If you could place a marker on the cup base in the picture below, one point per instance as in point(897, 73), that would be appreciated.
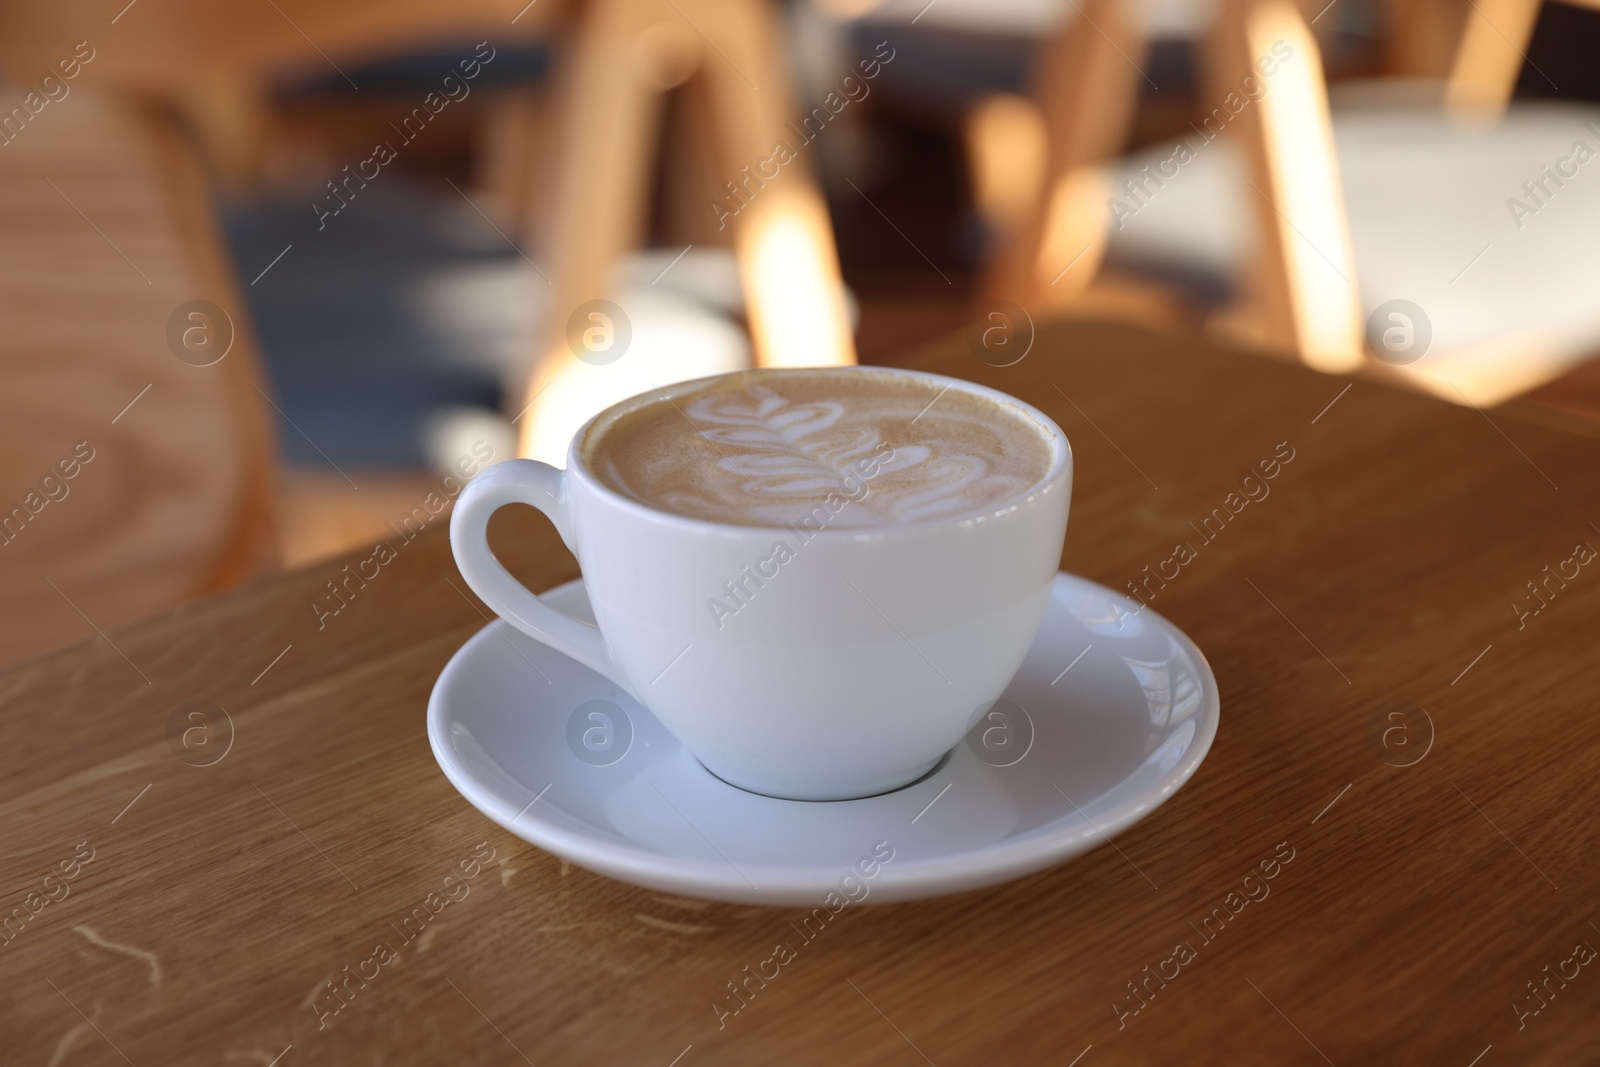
point(891, 785)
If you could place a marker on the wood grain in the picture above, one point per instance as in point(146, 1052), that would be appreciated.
point(106, 233)
point(1377, 577)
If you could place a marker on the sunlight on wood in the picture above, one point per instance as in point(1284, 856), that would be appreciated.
point(792, 286)
point(671, 341)
point(1304, 186)
point(1074, 239)
point(1487, 373)
point(1007, 147)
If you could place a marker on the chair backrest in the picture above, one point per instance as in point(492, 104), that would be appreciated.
point(214, 63)
point(135, 452)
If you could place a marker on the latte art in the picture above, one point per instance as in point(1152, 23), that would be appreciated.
point(837, 447)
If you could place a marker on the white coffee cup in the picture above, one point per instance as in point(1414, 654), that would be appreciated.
point(850, 671)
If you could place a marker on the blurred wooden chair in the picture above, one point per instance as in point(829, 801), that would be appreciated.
point(1415, 241)
point(214, 64)
point(135, 454)
point(1414, 205)
point(211, 72)
point(726, 56)
point(1049, 225)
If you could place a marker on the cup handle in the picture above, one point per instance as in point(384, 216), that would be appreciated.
point(524, 481)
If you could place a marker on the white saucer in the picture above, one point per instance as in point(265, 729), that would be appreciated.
point(1112, 711)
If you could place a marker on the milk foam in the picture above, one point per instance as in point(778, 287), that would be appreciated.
point(839, 447)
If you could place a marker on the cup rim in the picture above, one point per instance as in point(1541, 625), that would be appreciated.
point(1060, 462)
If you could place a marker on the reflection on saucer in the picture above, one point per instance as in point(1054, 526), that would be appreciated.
point(1101, 611)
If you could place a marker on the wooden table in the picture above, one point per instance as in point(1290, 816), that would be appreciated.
point(1427, 760)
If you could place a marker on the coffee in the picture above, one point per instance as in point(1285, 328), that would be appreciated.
point(840, 447)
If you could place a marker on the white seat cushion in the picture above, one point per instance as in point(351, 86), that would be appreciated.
point(1424, 198)
point(1040, 18)
point(681, 308)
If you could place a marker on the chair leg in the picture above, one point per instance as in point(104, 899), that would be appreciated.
point(1494, 40)
point(789, 265)
point(1423, 36)
point(1007, 145)
point(1088, 83)
point(1303, 281)
point(629, 53)
point(607, 135)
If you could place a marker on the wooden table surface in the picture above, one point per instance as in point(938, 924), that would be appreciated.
point(1412, 759)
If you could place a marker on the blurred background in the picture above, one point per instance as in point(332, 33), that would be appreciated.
point(279, 276)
